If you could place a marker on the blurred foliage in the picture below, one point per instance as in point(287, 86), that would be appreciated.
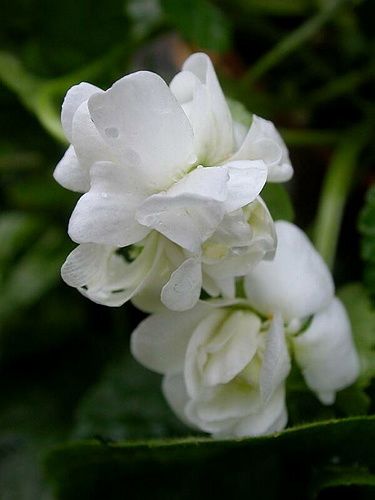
point(309, 65)
point(367, 230)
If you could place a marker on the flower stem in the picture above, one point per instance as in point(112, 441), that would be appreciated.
point(335, 190)
point(291, 42)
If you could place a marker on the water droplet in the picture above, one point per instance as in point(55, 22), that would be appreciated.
point(112, 132)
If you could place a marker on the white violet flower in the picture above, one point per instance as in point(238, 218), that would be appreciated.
point(298, 285)
point(224, 367)
point(146, 163)
point(225, 362)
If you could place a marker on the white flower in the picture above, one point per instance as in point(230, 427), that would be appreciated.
point(216, 134)
point(224, 367)
point(298, 284)
point(149, 164)
point(161, 272)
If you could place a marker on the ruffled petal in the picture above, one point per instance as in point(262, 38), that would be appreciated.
point(326, 352)
point(183, 289)
point(70, 174)
point(297, 282)
point(75, 96)
point(271, 418)
point(246, 180)
point(146, 128)
point(231, 349)
point(88, 143)
point(160, 341)
point(106, 214)
point(199, 92)
point(190, 211)
point(276, 361)
point(105, 277)
point(174, 390)
point(263, 142)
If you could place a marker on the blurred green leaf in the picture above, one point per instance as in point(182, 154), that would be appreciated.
point(362, 318)
point(337, 476)
point(126, 403)
point(203, 467)
point(16, 229)
point(200, 22)
point(36, 272)
point(366, 226)
point(278, 201)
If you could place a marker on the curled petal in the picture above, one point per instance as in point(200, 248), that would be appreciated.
point(160, 341)
point(191, 210)
point(271, 418)
point(263, 142)
point(70, 173)
point(199, 92)
point(326, 353)
point(246, 180)
point(146, 128)
point(75, 96)
point(297, 282)
point(174, 391)
point(106, 214)
point(184, 286)
point(105, 277)
point(88, 143)
point(276, 361)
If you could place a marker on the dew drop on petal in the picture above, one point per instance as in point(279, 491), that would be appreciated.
point(112, 132)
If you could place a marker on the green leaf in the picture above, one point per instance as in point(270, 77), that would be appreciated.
point(126, 403)
point(278, 201)
point(362, 318)
point(35, 272)
point(200, 22)
point(203, 467)
point(366, 226)
point(338, 476)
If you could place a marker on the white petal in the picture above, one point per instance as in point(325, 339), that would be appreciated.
point(190, 211)
point(228, 401)
point(106, 214)
point(174, 390)
point(297, 282)
point(184, 286)
point(272, 418)
point(146, 128)
point(88, 143)
point(160, 341)
point(215, 427)
point(246, 180)
point(276, 362)
point(263, 142)
point(203, 331)
point(70, 173)
point(74, 98)
point(198, 90)
point(326, 353)
point(231, 349)
point(105, 277)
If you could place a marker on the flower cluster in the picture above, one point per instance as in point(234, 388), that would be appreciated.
point(171, 207)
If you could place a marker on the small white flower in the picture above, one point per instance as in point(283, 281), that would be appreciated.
point(298, 284)
point(147, 162)
point(224, 367)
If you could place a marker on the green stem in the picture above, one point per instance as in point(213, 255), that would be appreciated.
point(291, 42)
point(342, 85)
point(335, 190)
